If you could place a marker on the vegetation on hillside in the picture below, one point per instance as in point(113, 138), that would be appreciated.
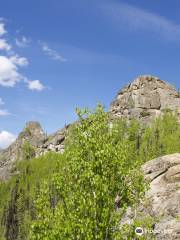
point(17, 195)
point(71, 195)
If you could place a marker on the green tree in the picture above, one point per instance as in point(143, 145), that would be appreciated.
point(97, 169)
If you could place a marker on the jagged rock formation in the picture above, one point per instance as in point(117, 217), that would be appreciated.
point(162, 199)
point(54, 142)
point(144, 99)
point(33, 134)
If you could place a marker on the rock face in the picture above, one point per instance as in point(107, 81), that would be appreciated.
point(144, 99)
point(33, 134)
point(162, 199)
point(164, 176)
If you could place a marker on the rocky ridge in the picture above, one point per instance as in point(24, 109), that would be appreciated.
point(144, 99)
point(35, 136)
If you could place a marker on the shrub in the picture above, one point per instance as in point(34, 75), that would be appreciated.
point(28, 151)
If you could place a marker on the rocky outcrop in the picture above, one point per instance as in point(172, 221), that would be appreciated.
point(144, 99)
point(33, 134)
point(162, 201)
point(54, 142)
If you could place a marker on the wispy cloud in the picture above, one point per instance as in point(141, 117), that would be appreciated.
point(4, 45)
point(22, 42)
point(134, 18)
point(3, 112)
point(19, 61)
point(2, 28)
point(52, 53)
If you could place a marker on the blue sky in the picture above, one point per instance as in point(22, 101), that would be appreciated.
point(56, 55)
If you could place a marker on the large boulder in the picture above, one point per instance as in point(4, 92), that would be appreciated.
point(145, 98)
point(164, 193)
point(162, 200)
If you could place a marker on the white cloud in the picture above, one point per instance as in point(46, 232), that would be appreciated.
point(22, 42)
point(3, 112)
point(2, 29)
point(35, 85)
point(52, 53)
point(6, 138)
point(135, 18)
point(4, 45)
point(9, 74)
